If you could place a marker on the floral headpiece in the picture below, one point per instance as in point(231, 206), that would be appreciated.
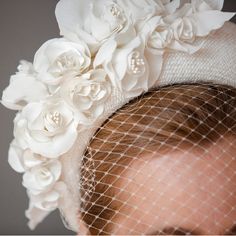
point(111, 51)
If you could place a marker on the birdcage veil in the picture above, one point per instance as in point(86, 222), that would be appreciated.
point(189, 111)
point(149, 166)
point(126, 123)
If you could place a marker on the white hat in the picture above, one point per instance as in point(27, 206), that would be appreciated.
point(76, 82)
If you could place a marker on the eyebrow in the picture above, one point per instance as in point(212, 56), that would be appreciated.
point(170, 230)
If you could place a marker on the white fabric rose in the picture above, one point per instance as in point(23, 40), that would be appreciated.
point(93, 21)
point(184, 30)
point(21, 160)
point(23, 88)
point(127, 66)
point(198, 13)
point(161, 37)
point(58, 58)
point(178, 31)
point(47, 128)
point(42, 178)
point(86, 94)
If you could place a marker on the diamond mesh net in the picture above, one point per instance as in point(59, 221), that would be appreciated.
point(164, 164)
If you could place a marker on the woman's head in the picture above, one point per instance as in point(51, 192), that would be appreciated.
point(166, 159)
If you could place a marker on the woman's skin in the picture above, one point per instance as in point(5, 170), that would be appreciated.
point(194, 191)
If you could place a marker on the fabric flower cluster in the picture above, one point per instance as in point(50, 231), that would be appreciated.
point(105, 45)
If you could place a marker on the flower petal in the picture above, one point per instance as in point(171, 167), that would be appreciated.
point(105, 53)
point(172, 6)
point(35, 216)
point(215, 4)
point(70, 14)
point(22, 90)
point(207, 21)
point(15, 154)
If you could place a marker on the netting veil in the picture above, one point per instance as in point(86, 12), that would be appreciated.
point(127, 123)
point(185, 78)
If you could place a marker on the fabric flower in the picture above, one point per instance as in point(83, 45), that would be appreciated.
point(126, 66)
point(178, 31)
point(58, 58)
point(161, 37)
point(93, 22)
point(47, 128)
point(23, 88)
point(198, 13)
point(42, 178)
point(21, 160)
point(183, 29)
point(87, 93)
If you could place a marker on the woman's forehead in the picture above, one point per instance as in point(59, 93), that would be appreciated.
point(207, 162)
point(181, 188)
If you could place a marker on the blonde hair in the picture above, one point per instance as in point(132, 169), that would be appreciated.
point(172, 116)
